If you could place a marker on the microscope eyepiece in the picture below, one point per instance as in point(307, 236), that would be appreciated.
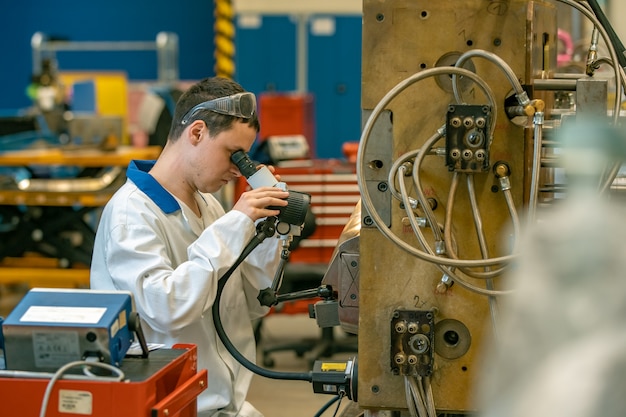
point(244, 163)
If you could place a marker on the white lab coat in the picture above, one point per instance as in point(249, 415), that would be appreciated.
point(153, 245)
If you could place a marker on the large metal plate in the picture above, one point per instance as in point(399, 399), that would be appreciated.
point(400, 38)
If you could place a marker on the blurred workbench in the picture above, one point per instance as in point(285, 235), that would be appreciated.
point(48, 224)
point(88, 157)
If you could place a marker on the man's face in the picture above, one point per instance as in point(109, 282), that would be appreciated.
point(215, 168)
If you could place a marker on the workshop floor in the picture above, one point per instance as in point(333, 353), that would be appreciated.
point(274, 398)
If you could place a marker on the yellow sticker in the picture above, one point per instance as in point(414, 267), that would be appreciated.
point(333, 366)
point(122, 318)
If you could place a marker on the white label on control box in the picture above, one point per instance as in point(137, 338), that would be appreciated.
point(51, 314)
point(75, 402)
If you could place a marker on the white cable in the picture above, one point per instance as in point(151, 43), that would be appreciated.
point(449, 237)
point(417, 397)
point(484, 249)
point(421, 196)
point(536, 165)
point(59, 373)
point(451, 250)
point(514, 218)
point(500, 63)
point(430, 399)
point(410, 399)
point(365, 197)
point(431, 217)
point(391, 178)
point(440, 264)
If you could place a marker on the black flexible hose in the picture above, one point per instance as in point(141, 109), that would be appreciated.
point(299, 376)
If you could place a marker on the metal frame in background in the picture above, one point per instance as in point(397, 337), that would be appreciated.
point(165, 44)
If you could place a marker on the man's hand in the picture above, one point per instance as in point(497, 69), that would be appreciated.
point(255, 203)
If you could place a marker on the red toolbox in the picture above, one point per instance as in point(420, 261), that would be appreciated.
point(166, 384)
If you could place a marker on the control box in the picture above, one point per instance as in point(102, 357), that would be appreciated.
point(52, 327)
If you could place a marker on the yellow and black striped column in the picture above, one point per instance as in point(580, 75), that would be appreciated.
point(224, 39)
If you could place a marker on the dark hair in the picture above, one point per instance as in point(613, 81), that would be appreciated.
point(204, 90)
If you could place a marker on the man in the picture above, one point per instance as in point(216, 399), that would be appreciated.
point(166, 239)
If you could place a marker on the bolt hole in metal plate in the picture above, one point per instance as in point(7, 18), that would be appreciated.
point(452, 339)
point(445, 81)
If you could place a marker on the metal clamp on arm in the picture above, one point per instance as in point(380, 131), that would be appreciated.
point(323, 291)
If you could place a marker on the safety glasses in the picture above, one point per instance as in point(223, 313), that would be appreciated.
point(239, 105)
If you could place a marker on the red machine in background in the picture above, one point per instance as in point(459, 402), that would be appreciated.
point(331, 183)
point(287, 114)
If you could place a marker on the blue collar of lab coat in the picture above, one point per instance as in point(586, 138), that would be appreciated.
point(138, 172)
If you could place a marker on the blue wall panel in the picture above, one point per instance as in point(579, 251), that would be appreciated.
point(266, 61)
point(335, 79)
point(265, 54)
point(113, 20)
